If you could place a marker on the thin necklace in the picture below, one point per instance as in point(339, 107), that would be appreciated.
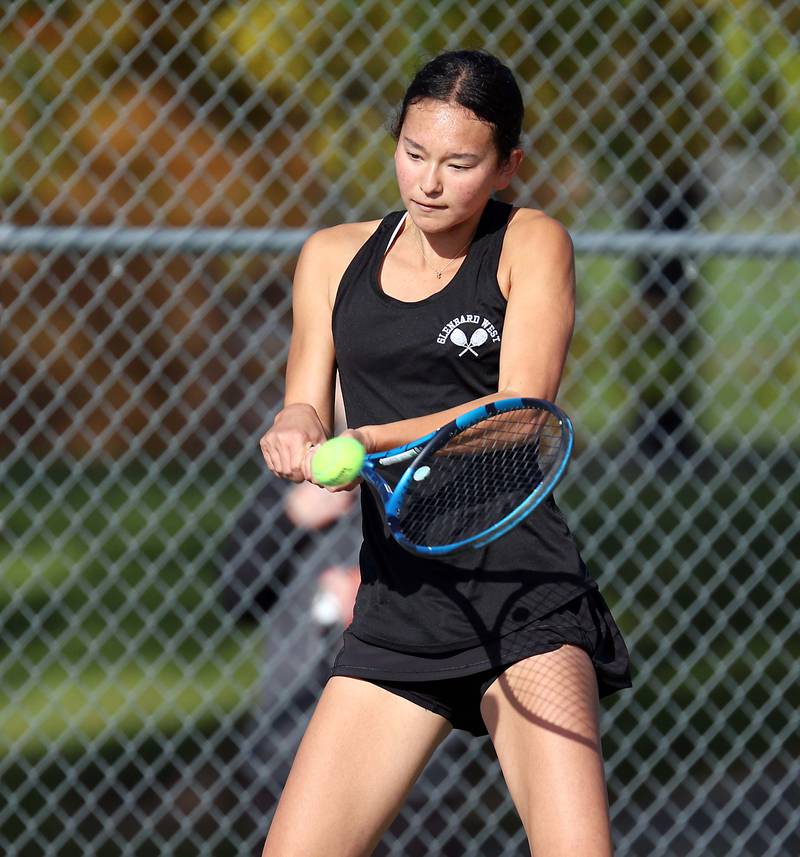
point(440, 272)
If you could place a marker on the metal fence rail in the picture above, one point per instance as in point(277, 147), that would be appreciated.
point(203, 240)
point(160, 165)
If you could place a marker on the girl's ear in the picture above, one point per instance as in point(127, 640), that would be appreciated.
point(508, 169)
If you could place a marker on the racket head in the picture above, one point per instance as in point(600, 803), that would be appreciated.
point(479, 476)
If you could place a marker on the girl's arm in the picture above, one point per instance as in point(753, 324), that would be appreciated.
point(306, 419)
point(307, 415)
point(537, 274)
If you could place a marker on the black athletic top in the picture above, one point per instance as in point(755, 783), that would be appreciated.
point(397, 360)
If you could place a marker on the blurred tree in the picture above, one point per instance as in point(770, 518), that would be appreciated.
point(55, 61)
point(97, 130)
point(672, 114)
point(712, 75)
point(759, 74)
point(252, 112)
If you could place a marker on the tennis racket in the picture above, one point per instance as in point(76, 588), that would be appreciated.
point(474, 479)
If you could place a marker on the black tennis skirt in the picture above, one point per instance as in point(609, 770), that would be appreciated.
point(585, 621)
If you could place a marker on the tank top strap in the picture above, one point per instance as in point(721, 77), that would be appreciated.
point(479, 270)
point(487, 244)
point(371, 252)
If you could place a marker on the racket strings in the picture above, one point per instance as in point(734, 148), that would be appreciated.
point(480, 476)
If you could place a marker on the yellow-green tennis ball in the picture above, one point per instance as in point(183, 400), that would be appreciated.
point(337, 462)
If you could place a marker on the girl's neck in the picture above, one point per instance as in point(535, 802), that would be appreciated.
point(439, 249)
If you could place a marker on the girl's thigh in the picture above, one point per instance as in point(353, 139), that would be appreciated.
point(542, 716)
point(362, 751)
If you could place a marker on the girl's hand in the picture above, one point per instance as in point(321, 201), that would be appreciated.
point(363, 436)
point(288, 445)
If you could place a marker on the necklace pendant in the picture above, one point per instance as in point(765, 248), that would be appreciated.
point(438, 275)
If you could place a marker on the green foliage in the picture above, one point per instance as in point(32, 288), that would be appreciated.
point(759, 69)
point(656, 71)
point(660, 73)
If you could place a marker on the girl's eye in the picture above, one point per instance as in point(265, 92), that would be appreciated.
point(459, 166)
point(414, 156)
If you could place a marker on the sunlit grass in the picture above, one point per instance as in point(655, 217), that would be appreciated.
point(67, 709)
point(111, 619)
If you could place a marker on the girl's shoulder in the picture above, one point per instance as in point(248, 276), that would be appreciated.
point(531, 224)
point(532, 235)
point(329, 251)
point(342, 241)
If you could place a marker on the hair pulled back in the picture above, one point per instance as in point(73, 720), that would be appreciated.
point(477, 81)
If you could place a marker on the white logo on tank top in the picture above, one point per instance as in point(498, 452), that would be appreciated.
point(468, 333)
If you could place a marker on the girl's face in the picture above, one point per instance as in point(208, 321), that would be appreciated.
point(447, 164)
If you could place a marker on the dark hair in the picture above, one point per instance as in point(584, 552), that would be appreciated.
point(477, 81)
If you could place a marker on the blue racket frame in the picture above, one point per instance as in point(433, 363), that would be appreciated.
point(418, 451)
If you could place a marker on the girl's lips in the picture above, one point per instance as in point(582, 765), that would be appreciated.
point(428, 207)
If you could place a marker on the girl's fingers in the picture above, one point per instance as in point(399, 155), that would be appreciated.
point(305, 465)
point(293, 462)
point(264, 446)
point(288, 457)
point(349, 487)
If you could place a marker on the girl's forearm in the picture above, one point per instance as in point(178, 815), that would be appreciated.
point(390, 435)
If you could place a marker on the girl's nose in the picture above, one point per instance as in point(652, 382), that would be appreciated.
point(430, 183)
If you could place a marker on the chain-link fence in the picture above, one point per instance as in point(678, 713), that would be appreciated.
point(160, 164)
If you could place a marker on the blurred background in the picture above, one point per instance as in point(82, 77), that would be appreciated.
point(169, 611)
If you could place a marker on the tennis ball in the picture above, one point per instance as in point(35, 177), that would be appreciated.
point(337, 462)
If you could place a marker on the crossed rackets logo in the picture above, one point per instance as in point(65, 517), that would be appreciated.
point(459, 339)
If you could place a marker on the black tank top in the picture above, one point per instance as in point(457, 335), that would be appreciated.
point(398, 360)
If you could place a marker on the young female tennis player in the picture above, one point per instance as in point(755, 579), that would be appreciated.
point(513, 640)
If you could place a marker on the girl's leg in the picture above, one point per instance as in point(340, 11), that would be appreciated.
point(542, 716)
point(358, 759)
